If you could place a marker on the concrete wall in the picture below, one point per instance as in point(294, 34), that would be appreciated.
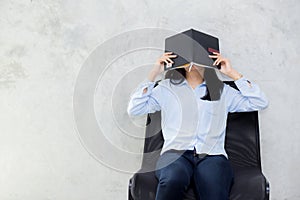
point(64, 129)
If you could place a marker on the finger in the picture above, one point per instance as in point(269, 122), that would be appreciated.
point(167, 57)
point(216, 53)
point(165, 62)
point(213, 56)
point(216, 61)
point(219, 61)
point(168, 53)
point(164, 59)
point(172, 56)
point(171, 61)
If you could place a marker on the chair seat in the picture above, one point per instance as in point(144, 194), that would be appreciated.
point(247, 180)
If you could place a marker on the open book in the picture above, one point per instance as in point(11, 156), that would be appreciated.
point(192, 48)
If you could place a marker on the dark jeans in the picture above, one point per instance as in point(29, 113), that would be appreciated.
point(212, 175)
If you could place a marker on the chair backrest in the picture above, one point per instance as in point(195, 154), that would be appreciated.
point(153, 141)
point(242, 139)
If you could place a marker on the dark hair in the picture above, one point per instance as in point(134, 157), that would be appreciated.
point(214, 85)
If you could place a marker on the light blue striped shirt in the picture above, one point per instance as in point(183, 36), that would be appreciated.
point(189, 122)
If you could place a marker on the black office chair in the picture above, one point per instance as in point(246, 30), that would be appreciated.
point(242, 146)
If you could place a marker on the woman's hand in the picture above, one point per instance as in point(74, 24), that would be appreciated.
point(226, 67)
point(159, 65)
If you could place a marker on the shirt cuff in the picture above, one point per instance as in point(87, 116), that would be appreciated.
point(243, 82)
point(145, 84)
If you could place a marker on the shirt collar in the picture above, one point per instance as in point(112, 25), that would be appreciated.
point(186, 83)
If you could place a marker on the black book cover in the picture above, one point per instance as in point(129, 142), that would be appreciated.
point(192, 47)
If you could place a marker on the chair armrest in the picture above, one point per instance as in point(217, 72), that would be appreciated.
point(143, 186)
point(246, 181)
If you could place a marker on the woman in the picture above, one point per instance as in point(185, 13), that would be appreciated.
point(194, 105)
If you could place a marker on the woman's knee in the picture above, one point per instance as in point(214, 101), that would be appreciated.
point(175, 176)
point(214, 175)
point(174, 181)
point(215, 166)
point(176, 173)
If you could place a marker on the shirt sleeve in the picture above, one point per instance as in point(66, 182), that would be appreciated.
point(248, 98)
point(141, 103)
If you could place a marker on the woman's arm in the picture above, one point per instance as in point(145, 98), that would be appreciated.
point(248, 98)
point(147, 99)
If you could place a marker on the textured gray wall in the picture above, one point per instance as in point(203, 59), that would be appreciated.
point(46, 151)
